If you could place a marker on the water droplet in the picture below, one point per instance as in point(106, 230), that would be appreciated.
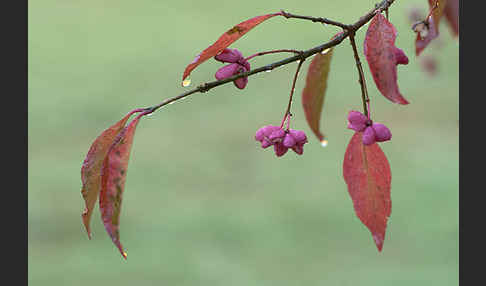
point(125, 254)
point(324, 142)
point(186, 83)
point(325, 51)
point(268, 71)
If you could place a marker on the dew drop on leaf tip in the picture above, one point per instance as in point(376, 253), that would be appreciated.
point(324, 142)
point(186, 82)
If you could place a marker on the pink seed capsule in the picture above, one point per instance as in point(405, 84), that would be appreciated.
point(238, 64)
point(369, 136)
point(382, 133)
point(357, 121)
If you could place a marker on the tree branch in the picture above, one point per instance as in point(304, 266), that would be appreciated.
point(383, 5)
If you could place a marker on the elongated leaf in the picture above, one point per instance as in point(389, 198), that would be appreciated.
point(452, 15)
point(383, 57)
point(422, 42)
point(113, 175)
point(91, 169)
point(367, 174)
point(225, 40)
point(315, 90)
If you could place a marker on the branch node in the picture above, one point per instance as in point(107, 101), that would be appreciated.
point(285, 14)
point(203, 88)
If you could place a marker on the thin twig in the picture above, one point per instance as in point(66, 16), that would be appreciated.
point(287, 112)
point(315, 20)
point(436, 5)
point(362, 82)
point(383, 5)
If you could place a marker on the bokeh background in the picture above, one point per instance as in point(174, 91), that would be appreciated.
point(203, 204)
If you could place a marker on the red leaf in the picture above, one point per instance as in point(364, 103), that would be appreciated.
point(225, 40)
point(452, 15)
point(383, 57)
point(422, 42)
point(91, 169)
point(367, 174)
point(113, 175)
point(315, 90)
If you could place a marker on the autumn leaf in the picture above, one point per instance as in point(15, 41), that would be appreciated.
point(368, 177)
point(225, 40)
point(91, 169)
point(422, 41)
point(113, 176)
point(383, 57)
point(452, 15)
point(315, 90)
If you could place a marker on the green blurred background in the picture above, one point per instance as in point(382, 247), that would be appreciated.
point(203, 203)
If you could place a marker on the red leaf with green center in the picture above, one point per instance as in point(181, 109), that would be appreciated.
point(91, 169)
point(113, 175)
point(315, 90)
point(225, 40)
point(422, 42)
point(383, 57)
point(452, 15)
point(367, 174)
